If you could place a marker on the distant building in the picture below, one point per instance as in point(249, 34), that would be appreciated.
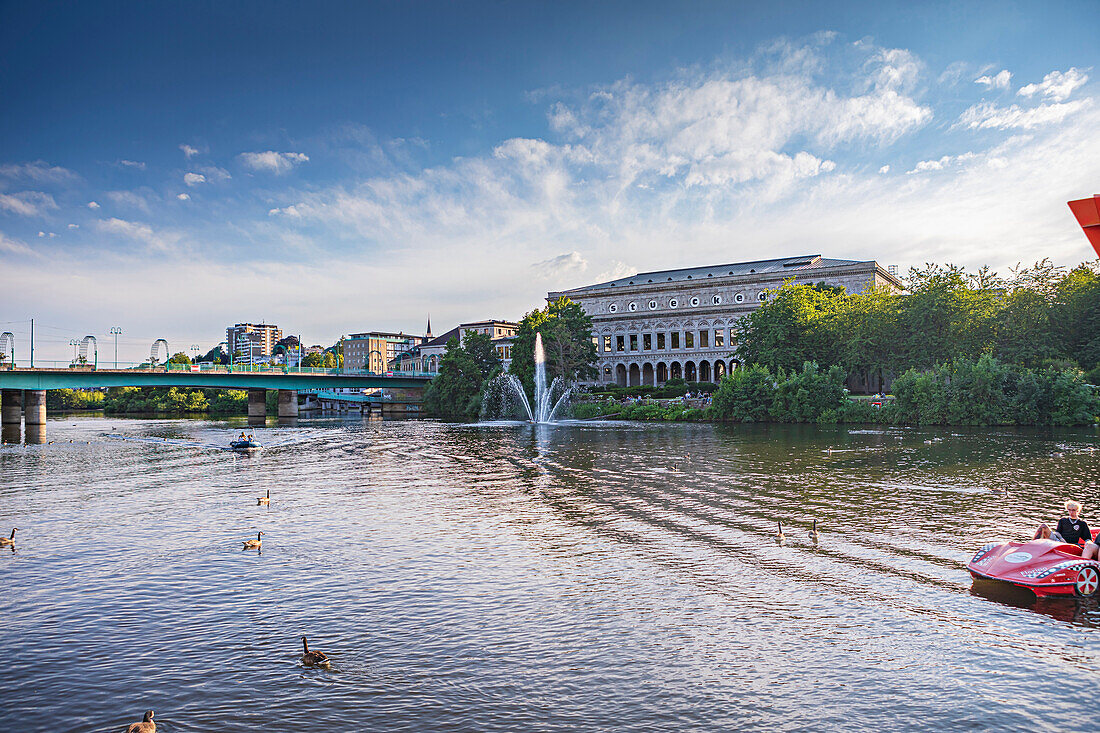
point(254, 342)
point(373, 351)
point(425, 357)
point(655, 326)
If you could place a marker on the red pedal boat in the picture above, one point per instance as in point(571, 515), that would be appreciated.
point(1045, 567)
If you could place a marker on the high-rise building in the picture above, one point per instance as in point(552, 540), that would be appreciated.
point(250, 343)
point(373, 351)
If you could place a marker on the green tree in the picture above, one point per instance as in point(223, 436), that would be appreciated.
point(456, 391)
point(797, 324)
point(480, 348)
point(179, 358)
point(566, 340)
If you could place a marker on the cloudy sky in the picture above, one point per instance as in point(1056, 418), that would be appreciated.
point(172, 168)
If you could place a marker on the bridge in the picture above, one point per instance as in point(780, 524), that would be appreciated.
point(24, 389)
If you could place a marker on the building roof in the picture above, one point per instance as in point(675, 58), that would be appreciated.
point(444, 338)
point(758, 267)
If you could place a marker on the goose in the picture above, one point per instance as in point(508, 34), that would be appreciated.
point(8, 540)
point(1058, 454)
point(264, 500)
point(313, 659)
point(145, 726)
point(254, 544)
point(814, 535)
point(780, 538)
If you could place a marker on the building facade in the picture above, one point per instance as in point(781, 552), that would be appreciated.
point(426, 357)
point(251, 343)
point(655, 326)
point(374, 351)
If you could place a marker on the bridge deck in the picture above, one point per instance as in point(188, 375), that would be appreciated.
point(78, 378)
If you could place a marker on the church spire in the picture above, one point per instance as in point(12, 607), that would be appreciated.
point(428, 334)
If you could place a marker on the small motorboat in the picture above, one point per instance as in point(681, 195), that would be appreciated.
point(245, 446)
point(1045, 567)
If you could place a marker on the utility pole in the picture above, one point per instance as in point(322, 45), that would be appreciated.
point(32, 343)
point(115, 331)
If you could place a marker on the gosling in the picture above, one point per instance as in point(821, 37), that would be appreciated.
point(145, 726)
point(8, 540)
point(780, 538)
point(313, 659)
point(255, 544)
point(814, 535)
point(264, 500)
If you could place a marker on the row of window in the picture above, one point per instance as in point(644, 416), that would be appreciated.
point(693, 302)
point(660, 341)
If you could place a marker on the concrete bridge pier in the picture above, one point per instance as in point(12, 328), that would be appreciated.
point(36, 434)
point(288, 403)
point(11, 411)
point(257, 406)
point(34, 406)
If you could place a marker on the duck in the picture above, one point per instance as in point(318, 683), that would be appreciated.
point(145, 726)
point(1058, 454)
point(313, 659)
point(814, 534)
point(780, 538)
point(254, 544)
point(8, 540)
point(264, 500)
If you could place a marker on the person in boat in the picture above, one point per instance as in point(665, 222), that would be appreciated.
point(241, 437)
point(251, 439)
point(1072, 529)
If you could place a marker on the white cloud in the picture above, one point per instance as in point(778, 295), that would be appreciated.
point(1056, 85)
point(564, 265)
point(1000, 80)
point(291, 211)
point(183, 196)
point(132, 164)
point(189, 151)
point(273, 162)
point(128, 199)
point(13, 246)
point(941, 163)
point(214, 174)
point(93, 205)
point(193, 179)
point(27, 203)
point(74, 226)
point(140, 232)
point(986, 115)
point(39, 172)
point(884, 169)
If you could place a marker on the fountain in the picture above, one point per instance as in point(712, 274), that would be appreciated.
point(546, 406)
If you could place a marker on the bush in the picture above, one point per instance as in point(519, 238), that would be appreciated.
point(745, 395)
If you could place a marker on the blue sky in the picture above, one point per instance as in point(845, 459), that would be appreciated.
point(172, 168)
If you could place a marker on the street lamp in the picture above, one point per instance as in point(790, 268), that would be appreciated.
point(115, 331)
point(74, 343)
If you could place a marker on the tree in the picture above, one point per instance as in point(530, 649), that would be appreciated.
point(313, 359)
point(216, 355)
point(566, 339)
point(179, 358)
point(480, 348)
point(456, 391)
point(795, 325)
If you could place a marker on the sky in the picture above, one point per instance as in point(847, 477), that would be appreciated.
point(173, 168)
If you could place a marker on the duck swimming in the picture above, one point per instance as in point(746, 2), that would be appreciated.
point(313, 659)
point(145, 726)
point(255, 544)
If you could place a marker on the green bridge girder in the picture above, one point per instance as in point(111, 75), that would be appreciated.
point(88, 378)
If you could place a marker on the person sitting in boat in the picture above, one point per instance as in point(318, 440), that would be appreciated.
point(241, 437)
point(1071, 529)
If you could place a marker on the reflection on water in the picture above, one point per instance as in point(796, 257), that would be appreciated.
point(516, 577)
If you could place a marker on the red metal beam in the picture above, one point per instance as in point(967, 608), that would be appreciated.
point(1087, 212)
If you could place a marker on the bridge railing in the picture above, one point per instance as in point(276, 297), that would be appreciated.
point(213, 368)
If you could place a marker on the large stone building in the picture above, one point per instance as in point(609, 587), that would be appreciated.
point(656, 326)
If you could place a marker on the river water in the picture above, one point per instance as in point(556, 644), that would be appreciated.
point(596, 576)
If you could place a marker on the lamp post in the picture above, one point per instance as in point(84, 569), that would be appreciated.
point(74, 343)
point(115, 331)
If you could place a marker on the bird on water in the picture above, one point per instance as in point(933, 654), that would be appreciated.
point(814, 533)
point(313, 659)
point(8, 540)
point(262, 500)
point(145, 726)
point(780, 538)
point(255, 544)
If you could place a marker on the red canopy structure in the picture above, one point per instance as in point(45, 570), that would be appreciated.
point(1087, 212)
